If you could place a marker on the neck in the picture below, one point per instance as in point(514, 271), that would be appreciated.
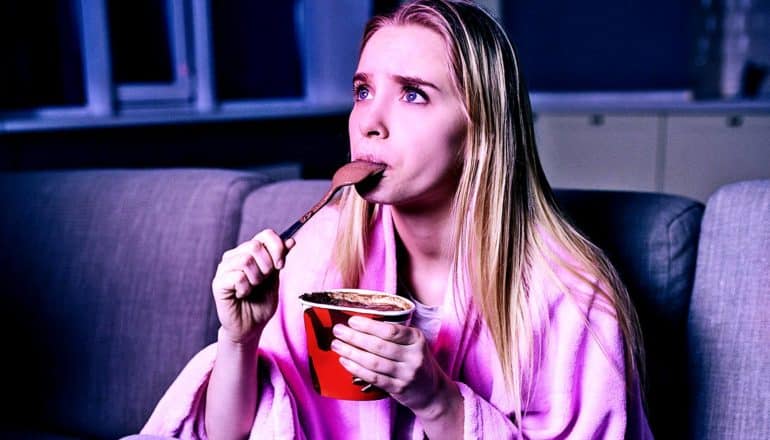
point(425, 257)
point(425, 235)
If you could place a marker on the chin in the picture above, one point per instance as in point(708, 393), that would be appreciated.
point(376, 195)
point(375, 198)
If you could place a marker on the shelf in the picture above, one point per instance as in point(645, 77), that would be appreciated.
point(675, 102)
point(231, 111)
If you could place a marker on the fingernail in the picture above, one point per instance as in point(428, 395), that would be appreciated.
point(356, 321)
point(279, 265)
point(335, 345)
point(339, 330)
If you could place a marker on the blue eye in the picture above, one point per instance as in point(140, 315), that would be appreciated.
point(360, 93)
point(414, 95)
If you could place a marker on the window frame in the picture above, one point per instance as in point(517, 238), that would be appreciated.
point(328, 50)
point(181, 88)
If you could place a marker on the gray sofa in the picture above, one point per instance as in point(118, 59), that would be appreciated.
point(105, 278)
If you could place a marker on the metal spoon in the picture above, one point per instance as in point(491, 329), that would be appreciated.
point(349, 174)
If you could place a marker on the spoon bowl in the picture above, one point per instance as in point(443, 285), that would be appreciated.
point(351, 173)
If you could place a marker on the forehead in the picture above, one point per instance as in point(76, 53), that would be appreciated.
point(405, 50)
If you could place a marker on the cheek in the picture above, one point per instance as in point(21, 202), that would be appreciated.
point(448, 137)
point(351, 123)
point(430, 141)
point(353, 132)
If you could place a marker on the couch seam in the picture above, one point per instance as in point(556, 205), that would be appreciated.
point(256, 181)
point(676, 220)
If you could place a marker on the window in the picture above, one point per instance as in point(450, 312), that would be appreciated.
point(104, 62)
point(41, 47)
point(141, 50)
point(247, 36)
point(148, 47)
point(603, 45)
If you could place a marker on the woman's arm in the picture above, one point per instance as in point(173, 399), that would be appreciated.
point(245, 290)
point(444, 418)
point(231, 398)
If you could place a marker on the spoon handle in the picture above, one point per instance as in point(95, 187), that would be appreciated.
point(288, 233)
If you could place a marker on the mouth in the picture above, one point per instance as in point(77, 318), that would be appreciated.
point(370, 183)
point(371, 159)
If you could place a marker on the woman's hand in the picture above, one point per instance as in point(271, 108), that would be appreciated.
point(397, 359)
point(245, 286)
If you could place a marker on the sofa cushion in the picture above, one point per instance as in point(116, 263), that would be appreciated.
point(278, 205)
point(651, 240)
point(105, 279)
point(729, 326)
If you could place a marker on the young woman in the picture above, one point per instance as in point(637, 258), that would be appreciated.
point(522, 328)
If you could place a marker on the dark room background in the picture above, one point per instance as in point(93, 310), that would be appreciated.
point(244, 84)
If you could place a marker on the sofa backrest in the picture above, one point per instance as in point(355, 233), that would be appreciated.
point(105, 279)
point(278, 205)
point(729, 322)
point(650, 238)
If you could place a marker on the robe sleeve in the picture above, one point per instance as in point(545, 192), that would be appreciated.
point(181, 411)
point(578, 391)
point(482, 419)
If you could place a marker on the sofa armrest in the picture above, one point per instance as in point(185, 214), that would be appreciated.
point(729, 321)
point(105, 290)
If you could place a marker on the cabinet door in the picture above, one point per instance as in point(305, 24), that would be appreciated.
point(599, 152)
point(706, 152)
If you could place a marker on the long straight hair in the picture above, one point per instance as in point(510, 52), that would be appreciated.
point(509, 211)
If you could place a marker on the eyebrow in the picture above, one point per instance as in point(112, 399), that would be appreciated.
point(404, 80)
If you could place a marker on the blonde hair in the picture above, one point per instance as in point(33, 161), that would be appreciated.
point(511, 211)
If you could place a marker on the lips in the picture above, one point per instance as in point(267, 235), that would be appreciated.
point(371, 159)
point(369, 184)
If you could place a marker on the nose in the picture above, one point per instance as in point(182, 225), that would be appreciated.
point(372, 122)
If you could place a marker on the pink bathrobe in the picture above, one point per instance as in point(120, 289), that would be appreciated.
point(579, 390)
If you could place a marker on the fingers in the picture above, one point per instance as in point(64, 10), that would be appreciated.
point(234, 282)
point(389, 384)
point(370, 343)
point(379, 352)
point(252, 262)
point(264, 252)
point(392, 357)
point(239, 283)
point(396, 333)
point(271, 249)
point(390, 375)
point(368, 360)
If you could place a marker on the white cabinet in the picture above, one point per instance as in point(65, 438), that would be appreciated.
point(686, 154)
point(705, 152)
point(597, 151)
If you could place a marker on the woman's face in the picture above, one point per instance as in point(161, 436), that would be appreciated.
point(408, 116)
